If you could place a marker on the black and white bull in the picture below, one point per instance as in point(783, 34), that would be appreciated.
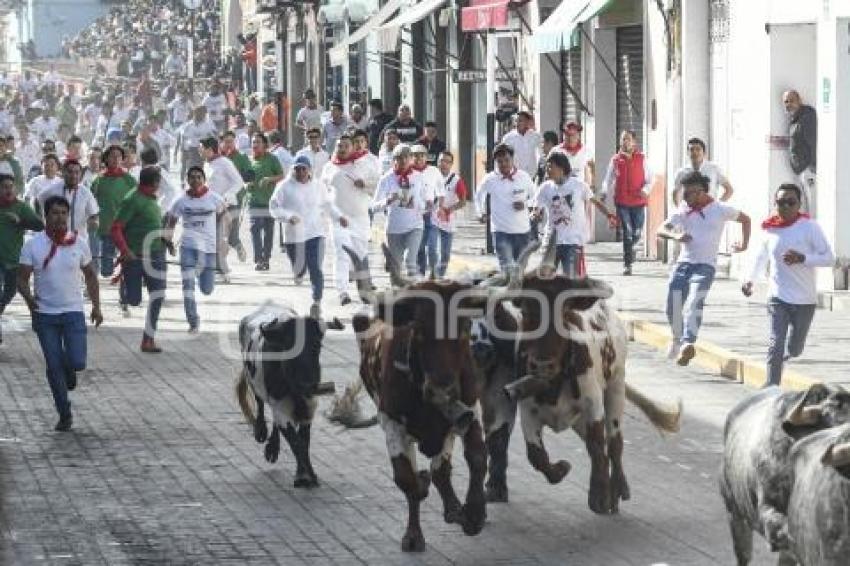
point(280, 368)
point(756, 473)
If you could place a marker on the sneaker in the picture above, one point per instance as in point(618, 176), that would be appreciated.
point(686, 354)
point(194, 328)
point(258, 266)
point(344, 299)
point(673, 349)
point(241, 253)
point(298, 280)
point(149, 346)
point(628, 270)
point(70, 379)
point(64, 424)
point(316, 310)
point(125, 311)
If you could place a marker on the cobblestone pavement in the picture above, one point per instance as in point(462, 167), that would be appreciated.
point(161, 468)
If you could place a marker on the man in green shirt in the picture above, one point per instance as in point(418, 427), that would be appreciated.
point(267, 173)
point(16, 217)
point(243, 165)
point(137, 231)
point(11, 166)
point(109, 188)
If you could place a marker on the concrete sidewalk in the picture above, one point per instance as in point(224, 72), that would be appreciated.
point(733, 339)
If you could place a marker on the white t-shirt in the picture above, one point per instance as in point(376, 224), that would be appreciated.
point(181, 112)
point(578, 161)
point(309, 117)
point(566, 210)
point(503, 194)
point(223, 179)
point(199, 220)
point(449, 192)
point(57, 288)
point(433, 180)
point(193, 132)
point(795, 284)
point(317, 158)
point(83, 206)
point(215, 106)
point(708, 169)
point(706, 228)
point(284, 157)
point(405, 214)
point(41, 183)
point(526, 149)
point(309, 202)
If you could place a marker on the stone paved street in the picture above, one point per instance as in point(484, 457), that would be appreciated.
point(162, 469)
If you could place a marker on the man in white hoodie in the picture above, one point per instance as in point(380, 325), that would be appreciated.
point(302, 204)
point(225, 180)
point(351, 177)
point(792, 247)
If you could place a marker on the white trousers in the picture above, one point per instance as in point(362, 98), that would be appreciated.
point(342, 264)
point(808, 182)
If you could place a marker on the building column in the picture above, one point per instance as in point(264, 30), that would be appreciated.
point(696, 85)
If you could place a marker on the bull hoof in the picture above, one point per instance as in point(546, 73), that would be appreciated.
point(413, 541)
point(558, 471)
point(306, 480)
point(453, 514)
point(473, 518)
point(619, 492)
point(272, 451)
point(497, 493)
point(424, 478)
point(599, 500)
point(261, 431)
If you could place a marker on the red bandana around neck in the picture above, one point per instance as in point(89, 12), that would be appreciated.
point(572, 149)
point(58, 238)
point(510, 176)
point(352, 157)
point(7, 203)
point(777, 221)
point(117, 172)
point(148, 190)
point(700, 207)
point(403, 176)
point(197, 193)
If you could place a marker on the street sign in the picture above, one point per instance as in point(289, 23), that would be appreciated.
point(480, 75)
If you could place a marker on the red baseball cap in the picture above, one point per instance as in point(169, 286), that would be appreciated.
point(572, 128)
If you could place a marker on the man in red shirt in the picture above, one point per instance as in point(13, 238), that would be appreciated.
point(630, 178)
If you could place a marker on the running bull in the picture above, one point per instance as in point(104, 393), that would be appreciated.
point(757, 473)
point(280, 352)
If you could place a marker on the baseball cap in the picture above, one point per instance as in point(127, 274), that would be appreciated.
point(302, 161)
point(418, 148)
point(401, 150)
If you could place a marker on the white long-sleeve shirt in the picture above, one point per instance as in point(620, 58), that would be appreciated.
point(223, 179)
point(405, 213)
point(526, 149)
point(795, 284)
point(504, 192)
point(317, 158)
point(308, 202)
point(353, 202)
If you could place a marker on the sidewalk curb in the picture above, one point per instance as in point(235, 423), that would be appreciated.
point(725, 363)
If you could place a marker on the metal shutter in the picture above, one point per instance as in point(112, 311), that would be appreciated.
point(630, 80)
point(571, 69)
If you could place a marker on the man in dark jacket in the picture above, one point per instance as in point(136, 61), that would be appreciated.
point(378, 120)
point(803, 133)
point(409, 130)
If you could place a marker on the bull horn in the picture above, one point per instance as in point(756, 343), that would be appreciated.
point(837, 455)
point(515, 279)
point(804, 412)
point(524, 387)
point(547, 262)
point(394, 269)
point(362, 277)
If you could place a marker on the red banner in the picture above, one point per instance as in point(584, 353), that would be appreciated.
point(484, 14)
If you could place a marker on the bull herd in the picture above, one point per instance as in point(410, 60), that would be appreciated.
point(443, 359)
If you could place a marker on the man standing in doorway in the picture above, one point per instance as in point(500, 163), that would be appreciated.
point(630, 178)
point(793, 246)
point(803, 133)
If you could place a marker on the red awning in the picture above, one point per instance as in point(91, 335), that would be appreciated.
point(484, 14)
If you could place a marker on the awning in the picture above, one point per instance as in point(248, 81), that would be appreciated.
point(360, 10)
point(556, 32)
point(389, 33)
point(484, 14)
point(332, 13)
point(339, 53)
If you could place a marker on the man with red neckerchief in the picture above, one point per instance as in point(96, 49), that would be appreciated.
point(581, 161)
point(109, 189)
point(54, 256)
point(136, 233)
point(698, 225)
point(793, 246)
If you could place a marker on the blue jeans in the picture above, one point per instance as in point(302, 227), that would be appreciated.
point(63, 342)
point(8, 285)
point(308, 256)
point(568, 257)
point(151, 272)
point(689, 280)
point(200, 265)
point(442, 240)
point(632, 219)
point(784, 317)
point(427, 255)
point(405, 242)
point(107, 254)
point(262, 234)
point(508, 248)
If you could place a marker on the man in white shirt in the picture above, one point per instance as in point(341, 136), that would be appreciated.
point(46, 127)
point(190, 135)
point(55, 256)
point(223, 179)
point(200, 211)
point(385, 154)
point(310, 115)
point(510, 190)
point(793, 246)
point(698, 225)
point(335, 126)
point(84, 209)
point(581, 160)
point(179, 110)
point(351, 178)
point(49, 179)
point(565, 200)
point(174, 63)
point(403, 194)
point(434, 182)
point(525, 142)
point(452, 197)
point(357, 119)
point(318, 157)
point(215, 103)
point(302, 206)
point(279, 150)
point(716, 178)
point(27, 150)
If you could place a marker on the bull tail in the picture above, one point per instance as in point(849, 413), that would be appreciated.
point(663, 418)
point(345, 408)
point(242, 396)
